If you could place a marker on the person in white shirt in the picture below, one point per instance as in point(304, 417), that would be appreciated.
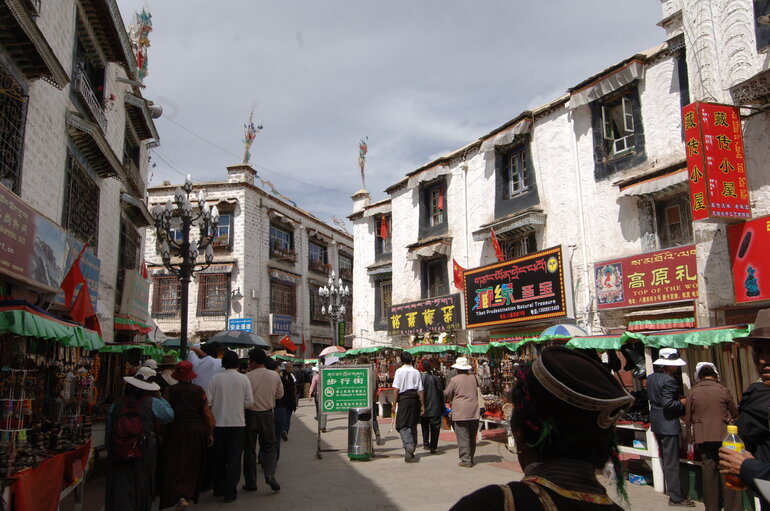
point(410, 399)
point(205, 363)
point(229, 393)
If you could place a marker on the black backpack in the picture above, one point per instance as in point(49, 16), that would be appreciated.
point(128, 432)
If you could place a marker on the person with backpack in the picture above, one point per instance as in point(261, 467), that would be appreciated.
point(130, 441)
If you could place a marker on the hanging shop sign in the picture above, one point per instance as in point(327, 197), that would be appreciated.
point(32, 247)
point(438, 314)
point(279, 324)
point(715, 162)
point(90, 267)
point(664, 276)
point(535, 286)
point(749, 243)
point(136, 295)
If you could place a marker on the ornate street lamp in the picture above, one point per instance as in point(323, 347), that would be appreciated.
point(185, 249)
point(333, 298)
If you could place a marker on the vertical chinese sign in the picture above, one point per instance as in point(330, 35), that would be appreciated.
point(749, 243)
point(715, 162)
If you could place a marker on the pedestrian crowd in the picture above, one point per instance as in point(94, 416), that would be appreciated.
point(181, 429)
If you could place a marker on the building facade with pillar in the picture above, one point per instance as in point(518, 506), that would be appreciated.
point(270, 260)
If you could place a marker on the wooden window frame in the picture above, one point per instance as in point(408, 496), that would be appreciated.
point(213, 294)
point(280, 304)
point(165, 303)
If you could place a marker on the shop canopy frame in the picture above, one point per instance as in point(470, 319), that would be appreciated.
point(368, 350)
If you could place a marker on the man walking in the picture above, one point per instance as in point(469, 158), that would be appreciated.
point(266, 387)
point(434, 405)
point(228, 394)
point(666, 406)
point(410, 400)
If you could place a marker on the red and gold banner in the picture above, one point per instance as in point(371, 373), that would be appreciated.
point(665, 276)
point(715, 162)
point(749, 243)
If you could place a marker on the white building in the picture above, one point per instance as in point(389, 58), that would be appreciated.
point(74, 133)
point(273, 254)
point(600, 171)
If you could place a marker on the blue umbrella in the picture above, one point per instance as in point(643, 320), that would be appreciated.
point(171, 342)
point(564, 330)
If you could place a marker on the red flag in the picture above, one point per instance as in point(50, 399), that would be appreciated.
point(286, 342)
point(440, 204)
point(83, 311)
point(458, 274)
point(72, 279)
point(143, 271)
point(302, 346)
point(384, 227)
point(496, 244)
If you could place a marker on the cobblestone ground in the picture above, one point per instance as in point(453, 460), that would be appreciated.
point(431, 482)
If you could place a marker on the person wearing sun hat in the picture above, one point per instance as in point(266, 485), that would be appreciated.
point(462, 392)
point(130, 485)
point(184, 448)
point(565, 406)
point(666, 407)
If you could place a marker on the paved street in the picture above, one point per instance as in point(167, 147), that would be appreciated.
point(433, 482)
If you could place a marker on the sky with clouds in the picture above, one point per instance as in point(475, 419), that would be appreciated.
point(419, 78)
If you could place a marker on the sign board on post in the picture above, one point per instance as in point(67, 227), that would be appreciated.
point(749, 243)
point(534, 286)
point(715, 162)
point(439, 314)
point(664, 276)
point(244, 324)
point(343, 387)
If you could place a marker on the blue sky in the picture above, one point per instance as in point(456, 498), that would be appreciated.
point(419, 78)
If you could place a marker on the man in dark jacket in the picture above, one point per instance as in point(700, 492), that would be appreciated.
point(434, 405)
point(666, 406)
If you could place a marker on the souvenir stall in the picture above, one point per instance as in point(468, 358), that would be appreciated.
point(46, 394)
point(385, 360)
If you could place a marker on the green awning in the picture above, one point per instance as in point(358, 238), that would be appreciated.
point(597, 342)
point(692, 337)
point(661, 324)
point(31, 322)
point(435, 348)
point(146, 349)
point(480, 349)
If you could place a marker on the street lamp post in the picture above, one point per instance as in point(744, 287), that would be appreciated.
point(333, 298)
point(187, 249)
point(234, 295)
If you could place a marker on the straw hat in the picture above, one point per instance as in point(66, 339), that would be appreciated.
point(167, 361)
point(141, 379)
point(669, 357)
point(462, 364)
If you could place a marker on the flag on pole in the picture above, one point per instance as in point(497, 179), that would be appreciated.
point(458, 274)
point(384, 227)
point(363, 148)
point(286, 343)
point(143, 271)
point(496, 245)
point(72, 279)
point(83, 311)
point(302, 346)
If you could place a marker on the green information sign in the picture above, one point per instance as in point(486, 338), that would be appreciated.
point(345, 387)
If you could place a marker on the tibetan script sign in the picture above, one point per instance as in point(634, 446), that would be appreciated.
point(440, 314)
point(749, 243)
point(345, 387)
point(715, 162)
point(657, 277)
point(535, 286)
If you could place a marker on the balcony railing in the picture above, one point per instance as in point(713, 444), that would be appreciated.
point(85, 90)
point(283, 254)
point(320, 266)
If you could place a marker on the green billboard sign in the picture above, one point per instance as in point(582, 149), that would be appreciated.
point(344, 387)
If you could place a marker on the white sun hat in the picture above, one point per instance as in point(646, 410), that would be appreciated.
point(141, 379)
point(669, 357)
point(462, 364)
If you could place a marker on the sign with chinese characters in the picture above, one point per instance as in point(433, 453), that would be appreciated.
point(439, 314)
point(535, 286)
point(343, 387)
point(715, 162)
point(665, 276)
point(749, 243)
point(280, 324)
point(244, 324)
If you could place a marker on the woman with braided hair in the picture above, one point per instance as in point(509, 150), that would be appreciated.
point(565, 406)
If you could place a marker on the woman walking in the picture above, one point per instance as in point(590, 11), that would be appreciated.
point(186, 439)
point(463, 392)
point(130, 441)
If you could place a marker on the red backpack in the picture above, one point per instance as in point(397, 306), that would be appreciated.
point(128, 432)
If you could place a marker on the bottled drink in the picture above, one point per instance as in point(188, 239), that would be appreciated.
point(734, 442)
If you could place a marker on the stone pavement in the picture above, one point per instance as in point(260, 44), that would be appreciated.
point(432, 482)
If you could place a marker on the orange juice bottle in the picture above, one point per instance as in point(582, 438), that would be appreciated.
point(734, 442)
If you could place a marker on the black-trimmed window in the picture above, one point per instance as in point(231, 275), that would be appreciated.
point(282, 244)
point(383, 246)
point(317, 257)
point(618, 133)
point(129, 246)
point(213, 294)
point(283, 298)
point(674, 221)
point(345, 263)
point(222, 235)
point(166, 296)
point(761, 30)
point(517, 173)
point(434, 277)
point(519, 246)
point(433, 208)
point(515, 187)
point(81, 203)
point(383, 298)
point(316, 304)
point(13, 113)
